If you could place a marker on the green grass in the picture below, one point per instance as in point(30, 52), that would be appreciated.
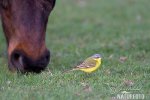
point(76, 30)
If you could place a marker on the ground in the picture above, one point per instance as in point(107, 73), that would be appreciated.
point(119, 30)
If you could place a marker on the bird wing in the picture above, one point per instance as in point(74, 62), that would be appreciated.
point(89, 62)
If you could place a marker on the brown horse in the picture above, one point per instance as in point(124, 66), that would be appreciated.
point(24, 23)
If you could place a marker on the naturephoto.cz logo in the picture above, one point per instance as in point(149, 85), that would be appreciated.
point(127, 91)
point(129, 96)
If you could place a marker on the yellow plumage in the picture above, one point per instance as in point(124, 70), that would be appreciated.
point(90, 64)
point(92, 67)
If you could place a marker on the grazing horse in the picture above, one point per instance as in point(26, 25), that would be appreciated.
point(24, 24)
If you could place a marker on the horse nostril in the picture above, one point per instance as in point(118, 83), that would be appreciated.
point(47, 56)
point(16, 56)
point(23, 63)
point(16, 59)
point(44, 60)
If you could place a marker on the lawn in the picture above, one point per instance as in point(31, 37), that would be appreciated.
point(119, 30)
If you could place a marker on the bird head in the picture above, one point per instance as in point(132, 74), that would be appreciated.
point(96, 56)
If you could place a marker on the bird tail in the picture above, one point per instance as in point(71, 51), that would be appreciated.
point(67, 71)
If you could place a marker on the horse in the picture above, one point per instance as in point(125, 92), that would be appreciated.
point(24, 24)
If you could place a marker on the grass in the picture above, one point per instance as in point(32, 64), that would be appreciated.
point(118, 30)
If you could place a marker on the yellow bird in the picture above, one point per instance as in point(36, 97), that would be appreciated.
point(90, 64)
